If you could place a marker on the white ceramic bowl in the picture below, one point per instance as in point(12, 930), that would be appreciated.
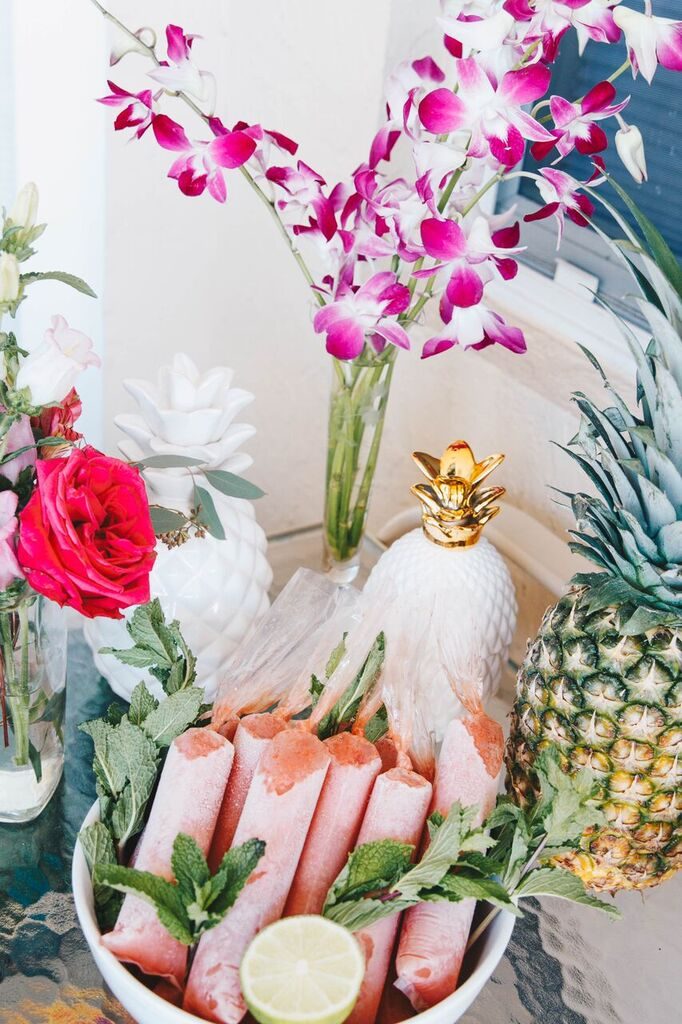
point(147, 1008)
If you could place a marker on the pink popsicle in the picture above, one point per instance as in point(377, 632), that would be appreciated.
point(352, 770)
point(253, 735)
point(396, 810)
point(278, 809)
point(190, 790)
point(434, 935)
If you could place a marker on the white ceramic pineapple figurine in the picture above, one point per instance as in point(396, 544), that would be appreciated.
point(217, 589)
point(446, 576)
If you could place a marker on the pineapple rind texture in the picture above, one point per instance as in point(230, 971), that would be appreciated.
point(613, 702)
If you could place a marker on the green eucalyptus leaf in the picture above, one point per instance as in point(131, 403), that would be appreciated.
point(207, 514)
point(232, 485)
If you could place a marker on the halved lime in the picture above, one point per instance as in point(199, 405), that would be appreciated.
point(302, 970)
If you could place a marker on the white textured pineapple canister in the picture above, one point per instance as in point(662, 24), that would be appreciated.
point(216, 589)
point(446, 577)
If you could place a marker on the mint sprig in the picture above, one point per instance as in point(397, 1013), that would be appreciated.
point(197, 901)
point(159, 647)
point(129, 747)
point(503, 863)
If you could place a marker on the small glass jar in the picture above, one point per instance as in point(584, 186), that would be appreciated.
point(33, 641)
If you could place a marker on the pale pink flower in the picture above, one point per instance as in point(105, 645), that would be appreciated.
point(9, 525)
point(50, 370)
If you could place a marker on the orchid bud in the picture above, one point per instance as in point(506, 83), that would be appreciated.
point(630, 148)
point(9, 278)
point(23, 213)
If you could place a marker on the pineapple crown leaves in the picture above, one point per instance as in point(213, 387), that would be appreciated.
point(632, 529)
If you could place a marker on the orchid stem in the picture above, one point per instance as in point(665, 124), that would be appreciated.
point(479, 195)
point(151, 53)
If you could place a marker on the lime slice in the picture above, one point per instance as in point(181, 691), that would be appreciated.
point(302, 970)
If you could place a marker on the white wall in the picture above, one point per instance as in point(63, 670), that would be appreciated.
point(58, 142)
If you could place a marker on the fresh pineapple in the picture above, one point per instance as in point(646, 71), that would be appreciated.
point(602, 681)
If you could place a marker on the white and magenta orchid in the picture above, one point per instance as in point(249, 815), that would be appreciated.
point(547, 21)
point(575, 124)
point(179, 73)
point(200, 164)
point(472, 326)
point(651, 40)
point(494, 116)
point(365, 314)
point(563, 198)
point(138, 108)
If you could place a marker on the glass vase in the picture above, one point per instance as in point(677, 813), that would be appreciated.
point(32, 703)
point(359, 397)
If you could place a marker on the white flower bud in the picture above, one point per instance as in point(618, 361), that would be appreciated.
point(9, 277)
point(630, 148)
point(25, 210)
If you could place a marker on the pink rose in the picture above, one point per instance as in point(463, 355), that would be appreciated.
point(9, 567)
point(85, 537)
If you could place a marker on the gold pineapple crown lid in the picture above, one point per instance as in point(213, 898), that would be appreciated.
point(455, 507)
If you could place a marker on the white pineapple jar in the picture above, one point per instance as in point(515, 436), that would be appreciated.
point(216, 589)
point(446, 577)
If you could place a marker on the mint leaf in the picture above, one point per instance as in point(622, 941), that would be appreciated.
point(357, 914)
point(370, 868)
point(134, 757)
point(159, 647)
point(442, 853)
point(60, 275)
point(316, 689)
point(456, 886)
point(142, 703)
point(173, 716)
point(232, 875)
point(98, 848)
point(109, 774)
point(564, 885)
point(343, 713)
point(335, 657)
point(189, 867)
point(196, 902)
point(377, 725)
point(162, 895)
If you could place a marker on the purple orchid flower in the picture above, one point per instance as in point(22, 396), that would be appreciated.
point(364, 313)
point(200, 164)
point(493, 114)
point(138, 108)
point(575, 123)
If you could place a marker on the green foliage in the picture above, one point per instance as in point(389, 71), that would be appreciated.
point(197, 900)
point(343, 713)
point(159, 647)
point(501, 863)
point(98, 848)
point(128, 748)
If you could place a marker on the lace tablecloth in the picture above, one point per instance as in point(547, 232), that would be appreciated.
point(565, 965)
